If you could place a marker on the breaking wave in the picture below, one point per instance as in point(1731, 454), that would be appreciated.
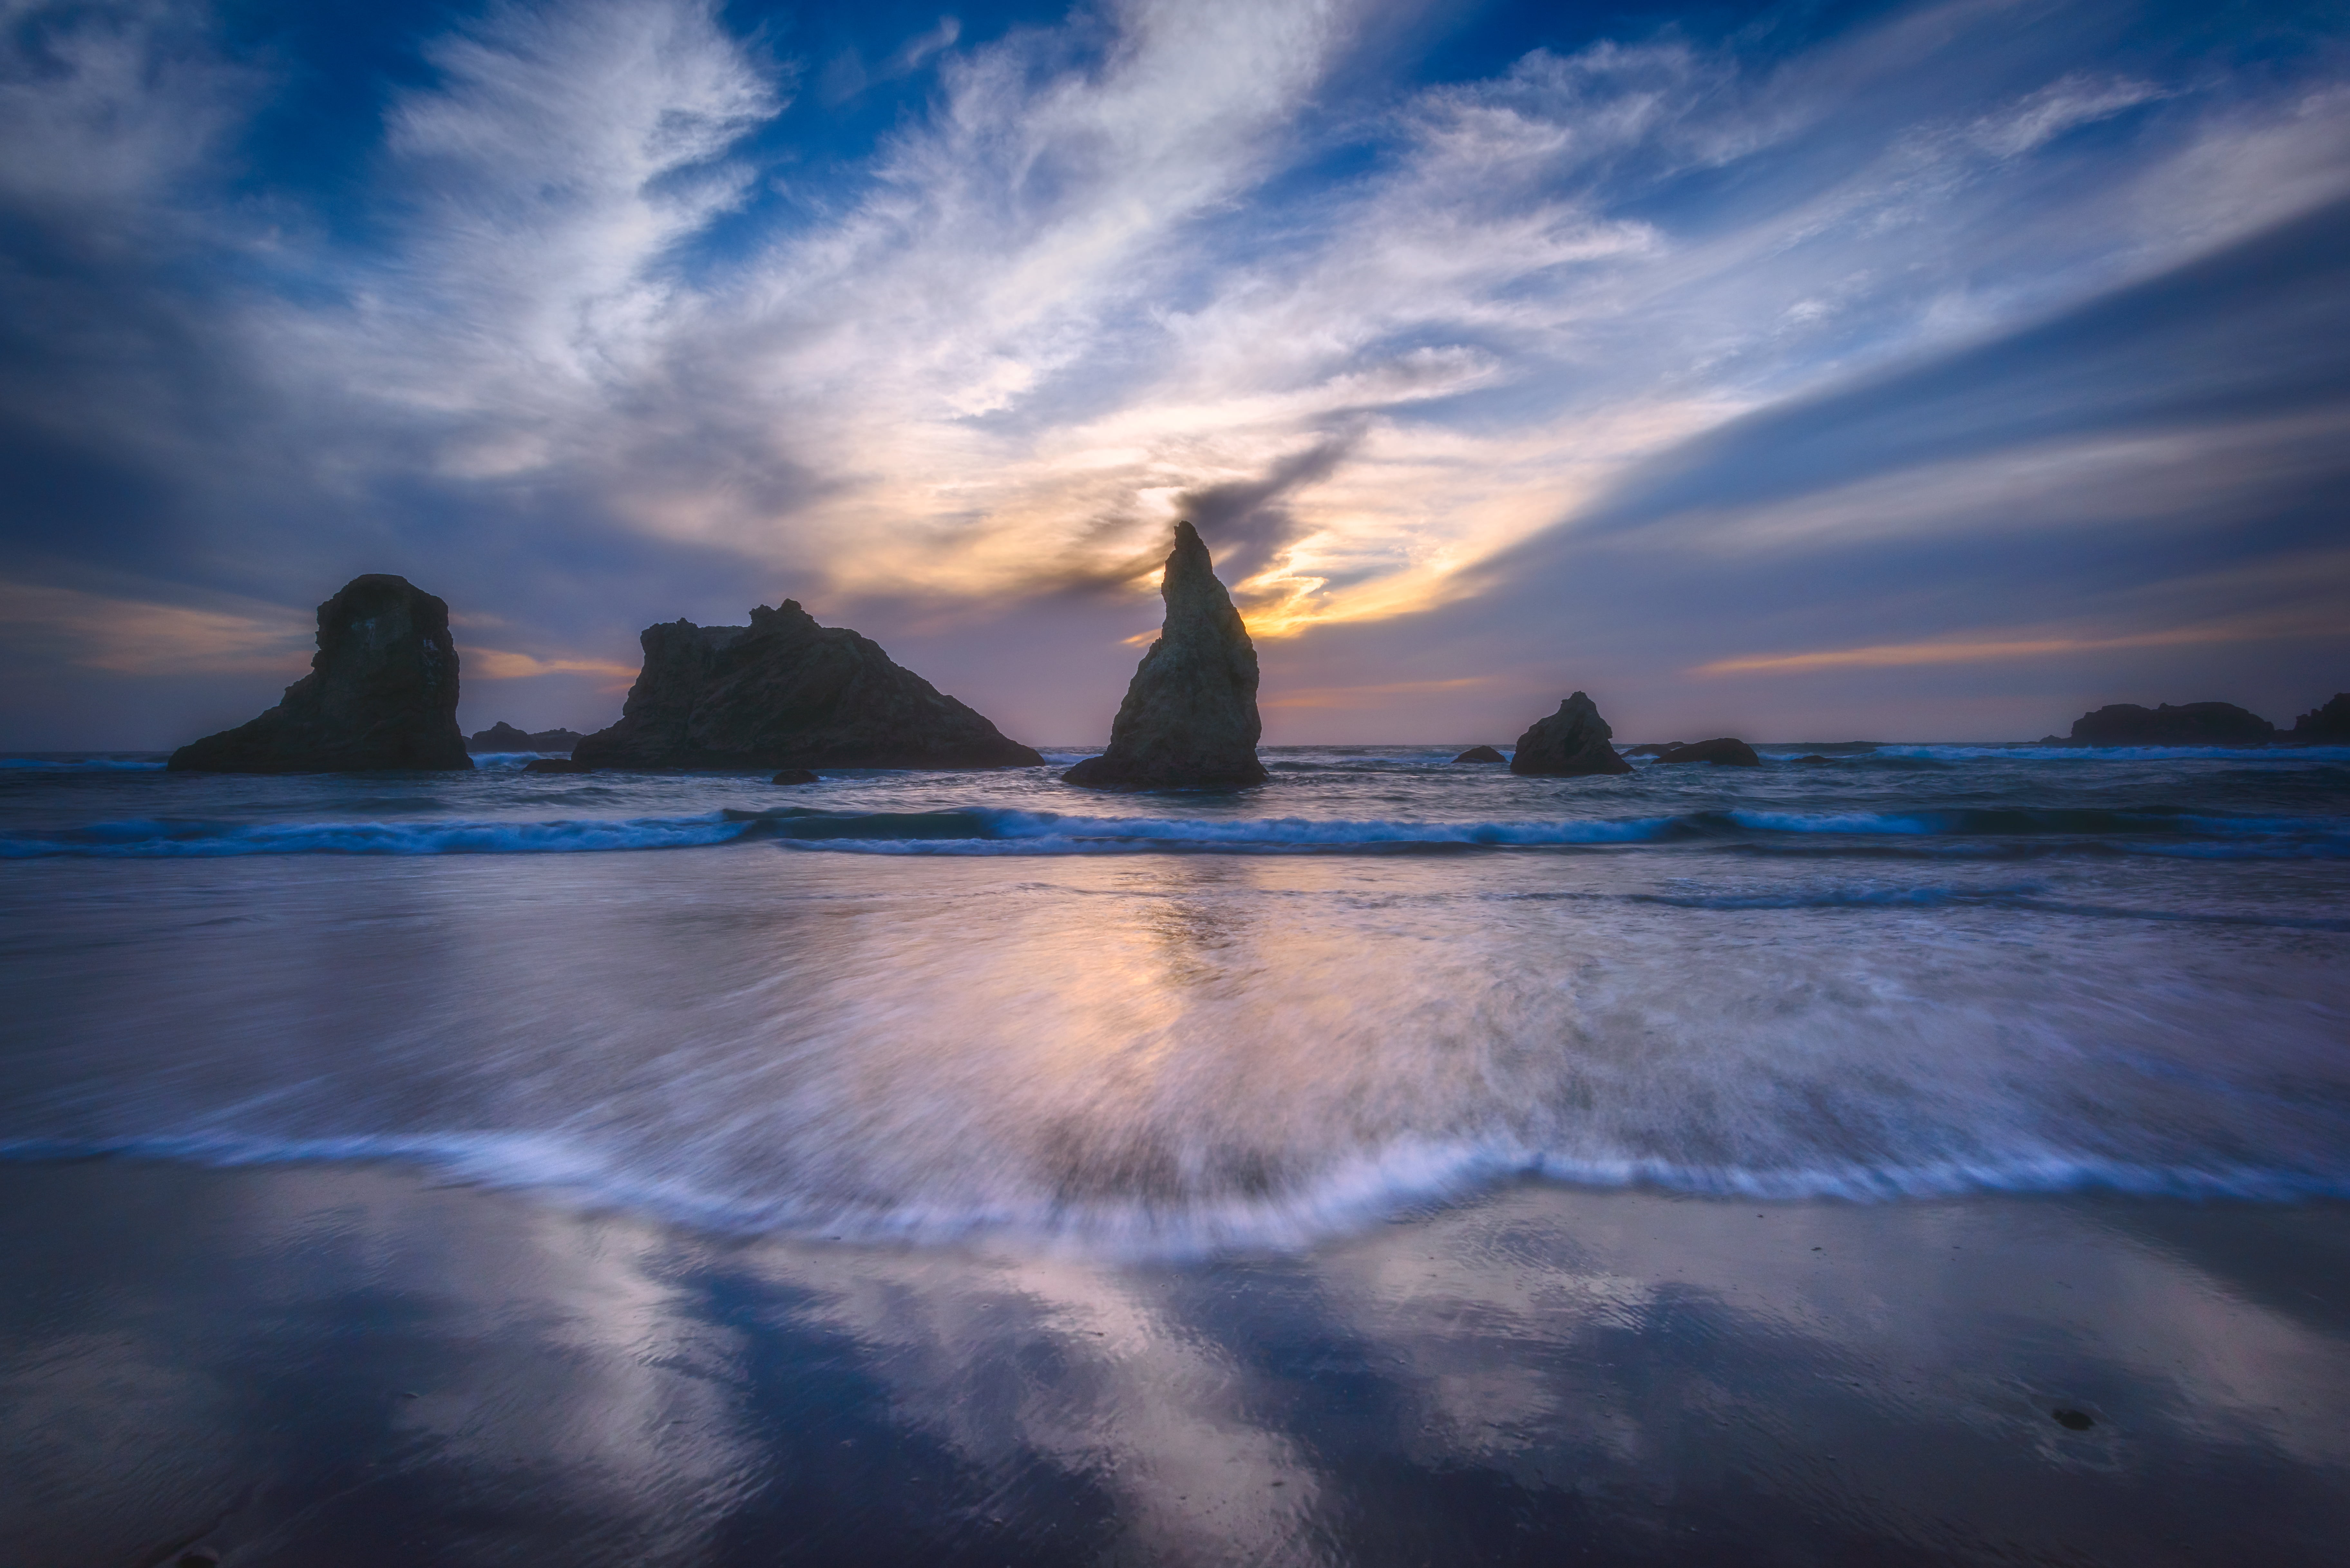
point(1407, 1175)
point(1003, 831)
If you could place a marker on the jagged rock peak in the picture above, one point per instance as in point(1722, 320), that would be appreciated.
point(1570, 743)
point(2327, 723)
point(1190, 719)
point(381, 694)
point(786, 693)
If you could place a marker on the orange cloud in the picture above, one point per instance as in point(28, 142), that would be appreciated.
point(1887, 656)
point(496, 664)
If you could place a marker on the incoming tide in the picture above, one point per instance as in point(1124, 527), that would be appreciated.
point(990, 1008)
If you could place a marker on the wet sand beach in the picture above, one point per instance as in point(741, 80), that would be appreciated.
point(346, 1364)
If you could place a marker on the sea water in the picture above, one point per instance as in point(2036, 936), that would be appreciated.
point(989, 1008)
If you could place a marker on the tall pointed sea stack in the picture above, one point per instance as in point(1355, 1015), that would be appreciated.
point(381, 693)
point(785, 692)
point(1570, 743)
point(1189, 721)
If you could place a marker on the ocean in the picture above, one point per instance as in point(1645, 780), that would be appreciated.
point(1458, 1043)
point(936, 1005)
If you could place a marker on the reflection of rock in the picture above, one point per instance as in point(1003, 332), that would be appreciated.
point(786, 692)
point(794, 776)
point(1570, 743)
point(2328, 725)
point(556, 765)
point(381, 693)
point(2188, 724)
point(1723, 752)
point(1480, 754)
point(1190, 719)
point(504, 737)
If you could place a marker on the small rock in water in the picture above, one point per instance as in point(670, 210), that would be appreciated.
point(556, 765)
point(2074, 1420)
point(794, 776)
point(1725, 752)
point(1814, 761)
point(1480, 754)
point(1570, 743)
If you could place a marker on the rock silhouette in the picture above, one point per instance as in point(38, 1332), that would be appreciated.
point(1570, 743)
point(1480, 754)
point(2327, 725)
point(795, 776)
point(785, 692)
point(1723, 752)
point(2188, 724)
point(381, 693)
point(504, 737)
point(1190, 719)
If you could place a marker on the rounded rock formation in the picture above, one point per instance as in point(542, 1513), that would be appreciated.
point(1480, 754)
point(1722, 752)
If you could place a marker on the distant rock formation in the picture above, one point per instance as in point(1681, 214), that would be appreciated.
point(504, 737)
point(1723, 752)
point(785, 692)
point(381, 694)
point(1570, 743)
point(1190, 719)
point(795, 776)
point(2325, 726)
point(1480, 754)
point(1653, 748)
point(1814, 761)
point(2190, 724)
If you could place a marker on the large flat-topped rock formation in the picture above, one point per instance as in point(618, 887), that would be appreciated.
point(381, 694)
point(1570, 743)
point(2188, 724)
point(1190, 719)
point(785, 692)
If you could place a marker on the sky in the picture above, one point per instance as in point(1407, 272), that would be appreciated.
point(1796, 370)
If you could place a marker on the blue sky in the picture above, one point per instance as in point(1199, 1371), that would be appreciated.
point(1800, 370)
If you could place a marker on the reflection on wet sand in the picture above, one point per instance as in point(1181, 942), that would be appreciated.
point(306, 1365)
